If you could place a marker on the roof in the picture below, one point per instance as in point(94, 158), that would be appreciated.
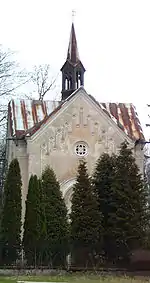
point(126, 117)
point(26, 116)
point(73, 57)
point(73, 54)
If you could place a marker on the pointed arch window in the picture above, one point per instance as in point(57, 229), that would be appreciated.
point(66, 84)
point(78, 79)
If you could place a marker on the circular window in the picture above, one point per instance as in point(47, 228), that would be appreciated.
point(81, 149)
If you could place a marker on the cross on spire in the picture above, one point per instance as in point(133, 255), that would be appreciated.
point(73, 15)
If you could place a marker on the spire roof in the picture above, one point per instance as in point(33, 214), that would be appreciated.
point(73, 54)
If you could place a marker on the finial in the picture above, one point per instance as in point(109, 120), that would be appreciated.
point(73, 15)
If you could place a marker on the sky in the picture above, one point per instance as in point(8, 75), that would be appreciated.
point(113, 40)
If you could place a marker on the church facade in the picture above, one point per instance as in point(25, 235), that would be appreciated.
point(60, 133)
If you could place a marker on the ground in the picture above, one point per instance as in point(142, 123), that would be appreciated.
point(73, 278)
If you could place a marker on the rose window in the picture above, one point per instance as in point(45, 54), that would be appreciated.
point(81, 149)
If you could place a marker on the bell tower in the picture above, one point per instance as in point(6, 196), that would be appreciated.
point(72, 70)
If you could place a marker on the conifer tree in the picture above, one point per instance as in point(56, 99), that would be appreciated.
point(122, 202)
point(102, 181)
point(131, 216)
point(34, 224)
point(56, 220)
point(11, 215)
point(85, 220)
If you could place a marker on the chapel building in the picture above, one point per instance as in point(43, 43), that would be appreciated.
point(60, 133)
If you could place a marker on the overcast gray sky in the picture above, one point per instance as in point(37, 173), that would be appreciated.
point(113, 41)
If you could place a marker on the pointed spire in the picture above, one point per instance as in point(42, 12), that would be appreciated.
point(73, 54)
point(73, 69)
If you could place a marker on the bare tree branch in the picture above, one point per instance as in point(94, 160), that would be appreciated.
point(2, 119)
point(11, 79)
point(42, 79)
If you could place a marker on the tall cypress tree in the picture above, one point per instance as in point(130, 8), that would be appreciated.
point(85, 220)
point(56, 220)
point(11, 216)
point(34, 224)
point(131, 212)
point(102, 179)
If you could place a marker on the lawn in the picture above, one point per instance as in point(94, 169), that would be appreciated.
point(73, 278)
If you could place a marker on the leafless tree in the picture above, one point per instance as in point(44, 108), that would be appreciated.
point(43, 80)
point(11, 78)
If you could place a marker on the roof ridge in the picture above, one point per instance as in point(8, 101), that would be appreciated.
point(27, 115)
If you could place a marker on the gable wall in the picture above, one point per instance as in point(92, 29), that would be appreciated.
point(54, 144)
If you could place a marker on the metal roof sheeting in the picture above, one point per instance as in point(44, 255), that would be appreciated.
point(26, 116)
point(126, 117)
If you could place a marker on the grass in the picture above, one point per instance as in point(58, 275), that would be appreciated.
point(74, 279)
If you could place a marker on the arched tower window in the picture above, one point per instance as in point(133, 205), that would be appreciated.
point(66, 84)
point(78, 79)
point(70, 84)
